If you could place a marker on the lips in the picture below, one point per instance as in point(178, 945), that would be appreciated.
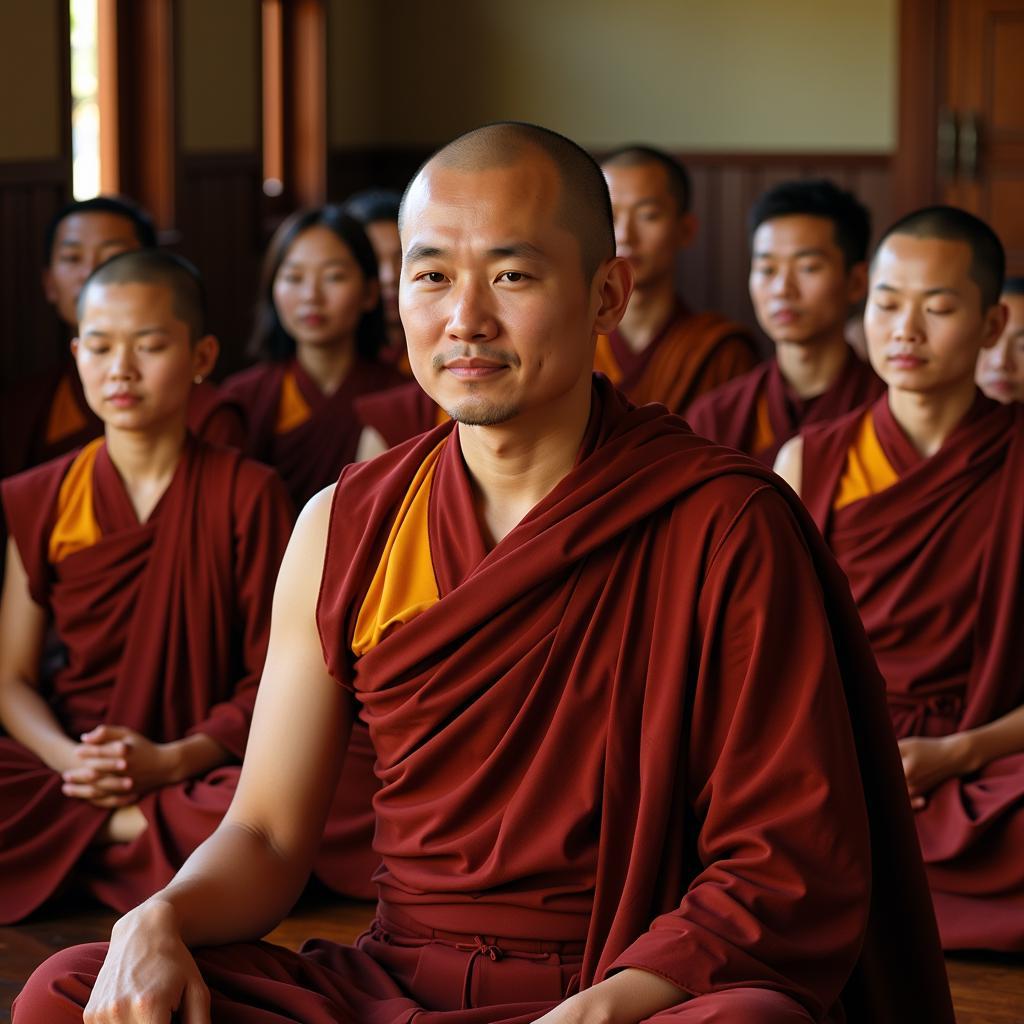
point(784, 316)
point(312, 320)
point(123, 399)
point(473, 369)
point(904, 361)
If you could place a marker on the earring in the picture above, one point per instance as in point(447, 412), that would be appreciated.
point(198, 378)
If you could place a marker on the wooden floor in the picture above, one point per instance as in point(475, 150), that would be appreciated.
point(987, 989)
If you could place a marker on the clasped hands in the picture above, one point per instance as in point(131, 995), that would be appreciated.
point(114, 766)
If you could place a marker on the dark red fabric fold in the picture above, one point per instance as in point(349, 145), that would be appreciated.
point(310, 456)
point(693, 354)
point(728, 415)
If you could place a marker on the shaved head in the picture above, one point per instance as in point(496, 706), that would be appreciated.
point(641, 156)
point(584, 208)
point(951, 224)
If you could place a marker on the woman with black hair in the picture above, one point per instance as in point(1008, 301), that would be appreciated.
point(319, 329)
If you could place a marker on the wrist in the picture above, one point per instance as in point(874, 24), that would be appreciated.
point(966, 752)
point(155, 916)
point(60, 755)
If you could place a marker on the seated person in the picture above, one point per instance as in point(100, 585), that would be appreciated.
point(377, 210)
point(153, 556)
point(919, 495)
point(662, 351)
point(319, 329)
point(808, 269)
point(619, 758)
point(47, 415)
point(1001, 368)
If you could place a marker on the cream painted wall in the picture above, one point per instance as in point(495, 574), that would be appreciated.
point(791, 75)
point(219, 75)
point(30, 82)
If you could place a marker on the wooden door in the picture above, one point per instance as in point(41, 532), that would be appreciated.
point(981, 122)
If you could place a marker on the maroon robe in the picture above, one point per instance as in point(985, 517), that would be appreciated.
point(212, 416)
point(618, 739)
point(399, 414)
point(942, 598)
point(729, 415)
point(694, 353)
point(310, 456)
point(165, 628)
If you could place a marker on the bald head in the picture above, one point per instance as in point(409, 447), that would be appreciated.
point(950, 224)
point(584, 208)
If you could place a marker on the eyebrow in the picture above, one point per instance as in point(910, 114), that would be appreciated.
point(514, 250)
point(799, 253)
point(946, 290)
point(290, 261)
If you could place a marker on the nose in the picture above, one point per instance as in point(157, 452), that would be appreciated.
point(1003, 355)
point(122, 362)
point(470, 318)
point(783, 282)
point(907, 324)
point(623, 230)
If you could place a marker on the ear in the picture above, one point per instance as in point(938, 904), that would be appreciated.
point(49, 288)
point(857, 283)
point(995, 323)
point(74, 347)
point(686, 229)
point(204, 356)
point(372, 295)
point(613, 285)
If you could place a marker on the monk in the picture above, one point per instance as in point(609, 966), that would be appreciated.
point(600, 662)
point(662, 351)
point(152, 555)
point(919, 496)
point(377, 210)
point(1001, 368)
point(319, 332)
point(48, 415)
point(808, 269)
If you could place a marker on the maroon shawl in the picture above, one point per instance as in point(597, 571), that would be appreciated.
point(310, 456)
point(668, 623)
point(728, 415)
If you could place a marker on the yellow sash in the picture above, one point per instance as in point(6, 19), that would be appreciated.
point(292, 409)
point(66, 416)
point(76, 527)
point(867, 469)
point(403, 583)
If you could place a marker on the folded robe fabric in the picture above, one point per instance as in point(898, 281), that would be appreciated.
point(307, 436)
point(621, 734)
point(694, 353)
point(757, 413)
point(934, 560)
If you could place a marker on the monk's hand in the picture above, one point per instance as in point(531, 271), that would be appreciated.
point(928, 761)
point(118, 765)
point(627, 997)
point(148, 974)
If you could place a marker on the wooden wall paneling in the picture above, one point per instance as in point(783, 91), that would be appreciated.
point(220, 217)
point(30, 333)
point(31, 193)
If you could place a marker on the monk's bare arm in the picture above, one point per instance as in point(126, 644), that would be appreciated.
point(24, 712)
point(371, 444)
point(246, 876)
point(789, 463)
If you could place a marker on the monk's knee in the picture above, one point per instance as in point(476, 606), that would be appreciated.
point(736, 1006)
point(59, 988)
